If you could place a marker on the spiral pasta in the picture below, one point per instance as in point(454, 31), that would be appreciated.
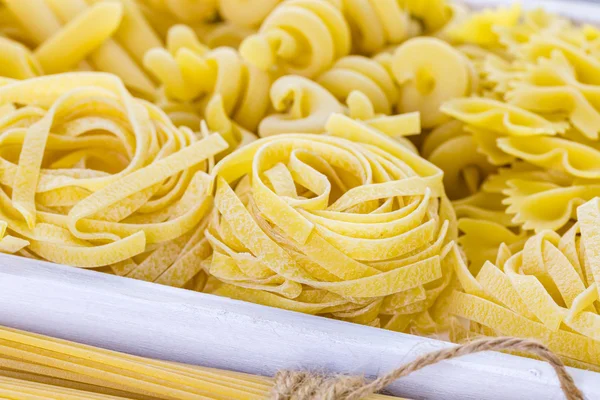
point(303, 105)
point(546, 291)
point(365, 75)
point(376, 25)
point(93, 177)
point(298, 232)
point(303, 37)
point(424, 84)
point(193, 74)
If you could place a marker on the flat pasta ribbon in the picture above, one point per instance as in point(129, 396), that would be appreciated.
point(349, 224)
point(547, 291)
point(93, 177)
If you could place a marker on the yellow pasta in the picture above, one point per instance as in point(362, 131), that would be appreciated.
point(34, 366)
point(95, 177)
point(376, 25)
point(303, 105)
point(247, 13)
point(365, 75)
point(546, 291)
point(17, 61)
point(426, 84)
point(67, 33)
point(192, 74)
point(303, 37)
point(299, 232)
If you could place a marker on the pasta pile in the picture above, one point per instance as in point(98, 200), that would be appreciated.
point(39, 367)
point(93, 177)
point(408, 164)
point(350, 224)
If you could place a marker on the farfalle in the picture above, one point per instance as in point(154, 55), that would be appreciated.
point(191, 73)
point(365, 75)
point(430, 72)
point(305, 106)
point(546, 291)
point(576, 159)
point(348, 224)
point(552, 86)
point(539, 205)
point(479, 27)
point(303, 37)
point(501, 117)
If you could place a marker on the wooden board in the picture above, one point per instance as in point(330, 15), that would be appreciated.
point(174, 324)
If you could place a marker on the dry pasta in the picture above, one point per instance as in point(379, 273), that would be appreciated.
point(547, 291)
point(94, 177)
point(192, 74)
point(303, 37)
point(34, 367)
point(421, 166)
point(350, 224)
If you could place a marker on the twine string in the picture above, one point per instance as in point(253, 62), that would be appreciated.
point(302, 385)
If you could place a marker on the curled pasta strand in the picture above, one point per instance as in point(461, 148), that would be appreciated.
point(302, 37)
point(277, 227)
point(191, 73)
point(103, 179)
point(429, 72)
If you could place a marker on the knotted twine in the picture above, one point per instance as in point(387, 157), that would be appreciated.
point(302, 385)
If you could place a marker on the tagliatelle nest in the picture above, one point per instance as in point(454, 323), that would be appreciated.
point(349, 223)
point(548, 291)
point(92, 177)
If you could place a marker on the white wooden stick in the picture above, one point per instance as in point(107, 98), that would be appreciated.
point(174, 324)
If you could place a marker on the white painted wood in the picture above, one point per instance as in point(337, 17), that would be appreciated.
point(584, 11)
point(174, 324)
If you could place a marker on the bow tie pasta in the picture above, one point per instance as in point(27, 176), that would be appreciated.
point(93, 177)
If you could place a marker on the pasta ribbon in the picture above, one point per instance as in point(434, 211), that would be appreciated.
point(349, 224)
point(429, 72)
point(94, 177)
point(303, 37)
point(17, 61)
point(545, 291)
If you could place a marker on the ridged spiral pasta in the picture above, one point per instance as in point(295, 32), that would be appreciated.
point(192, 74)
point(363, 74)
point(247, 13)
point(303, 105)
point(430, 72)
point(93, 177)
point(349, 224)
point(303, 37)
point(547, 291)
point(376, 25)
